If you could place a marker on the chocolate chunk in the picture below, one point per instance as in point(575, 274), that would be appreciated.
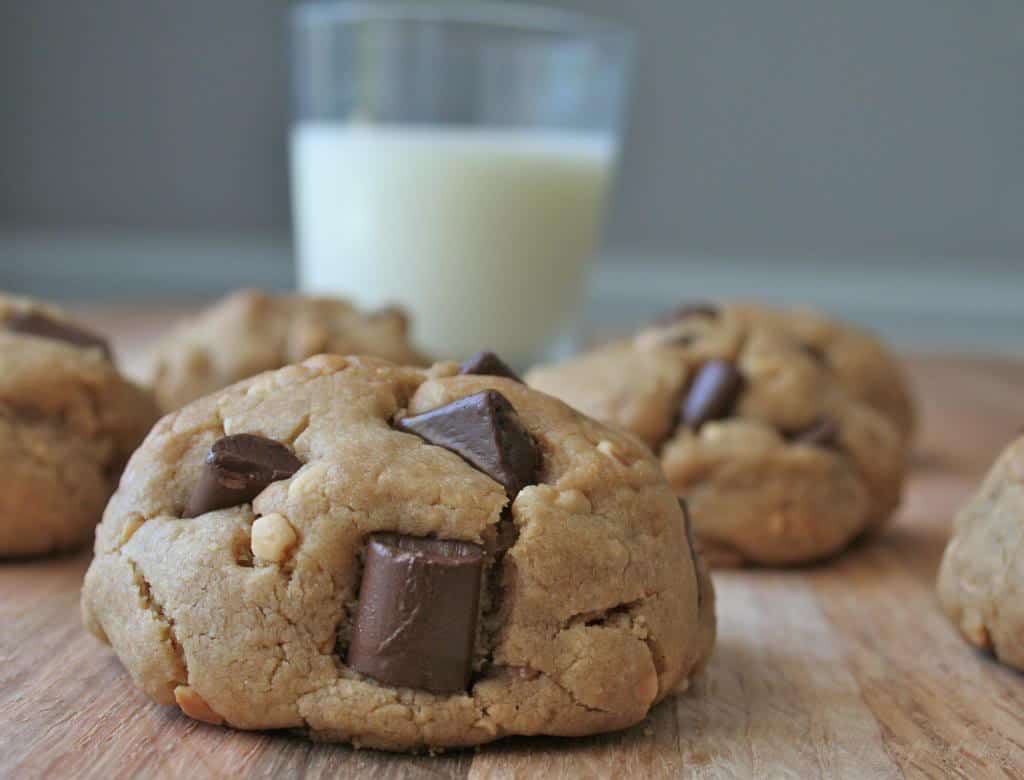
point(237, 470)
point(416, 621)
point(694, 554)
point(687, 310)
point(34, 323)
point(823, 432)
point(485, 431)
point(713, 393)
point(488, 364)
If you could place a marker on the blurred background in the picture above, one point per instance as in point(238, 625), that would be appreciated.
point(867, 157)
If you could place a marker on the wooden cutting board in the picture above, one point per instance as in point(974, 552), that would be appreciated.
point(844, 670)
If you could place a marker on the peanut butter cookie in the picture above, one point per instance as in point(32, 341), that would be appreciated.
point(251, 331)
point(68, 422)
point(783, 457)
point(981, 578)
point(398, 558)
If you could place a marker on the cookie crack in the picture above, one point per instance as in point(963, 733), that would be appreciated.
point(554, 681)
point(636, 626)
point(599, 617)
point(572, 697)
point(152, 605)
point(300, 428)
point(497, 591)
point(280, 657)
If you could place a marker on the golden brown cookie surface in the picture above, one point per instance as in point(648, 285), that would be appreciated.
point(590, 607)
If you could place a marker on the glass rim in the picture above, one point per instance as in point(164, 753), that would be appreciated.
point(485, 13)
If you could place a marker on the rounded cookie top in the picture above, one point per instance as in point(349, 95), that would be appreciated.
point(858, 359)
point(69, 421)
point(982, 573)
point(782, 462)
point(398, 558)
point(250, 331)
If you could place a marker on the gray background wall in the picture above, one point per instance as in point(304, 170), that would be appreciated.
point(875, 127)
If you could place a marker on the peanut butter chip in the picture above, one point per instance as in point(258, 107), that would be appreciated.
point(272, 537)
point(195, 706)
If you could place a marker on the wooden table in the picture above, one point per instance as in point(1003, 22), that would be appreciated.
point(845, 670)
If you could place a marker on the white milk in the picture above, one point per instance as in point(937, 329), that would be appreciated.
point(482, 235)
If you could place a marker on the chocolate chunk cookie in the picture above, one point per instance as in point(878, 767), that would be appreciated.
point(68, 421)
point(398, 558)
point(251, 331)
point(766, 421)
point(982, 573)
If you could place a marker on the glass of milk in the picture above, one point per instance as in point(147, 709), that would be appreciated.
point(454, 158)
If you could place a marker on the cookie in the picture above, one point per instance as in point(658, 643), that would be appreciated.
point(249, 331)
point(68, 422)
point(982, 572)
point(781, 459)
point(398, 558)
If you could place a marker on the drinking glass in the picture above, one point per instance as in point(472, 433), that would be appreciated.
point(454, 158)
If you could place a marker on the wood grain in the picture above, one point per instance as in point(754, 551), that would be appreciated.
point(843, 670)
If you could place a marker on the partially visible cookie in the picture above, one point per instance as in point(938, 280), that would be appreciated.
point(782, 459)
point(68, 422)
point(981, 578)
point(398, 558)
point(250, 331)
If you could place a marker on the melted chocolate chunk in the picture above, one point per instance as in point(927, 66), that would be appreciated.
point(484, 430)
point(36, 324)
point(418, 606)
point(488, 364)
point(823, 432)
point(712, 394)
point(237, 469)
